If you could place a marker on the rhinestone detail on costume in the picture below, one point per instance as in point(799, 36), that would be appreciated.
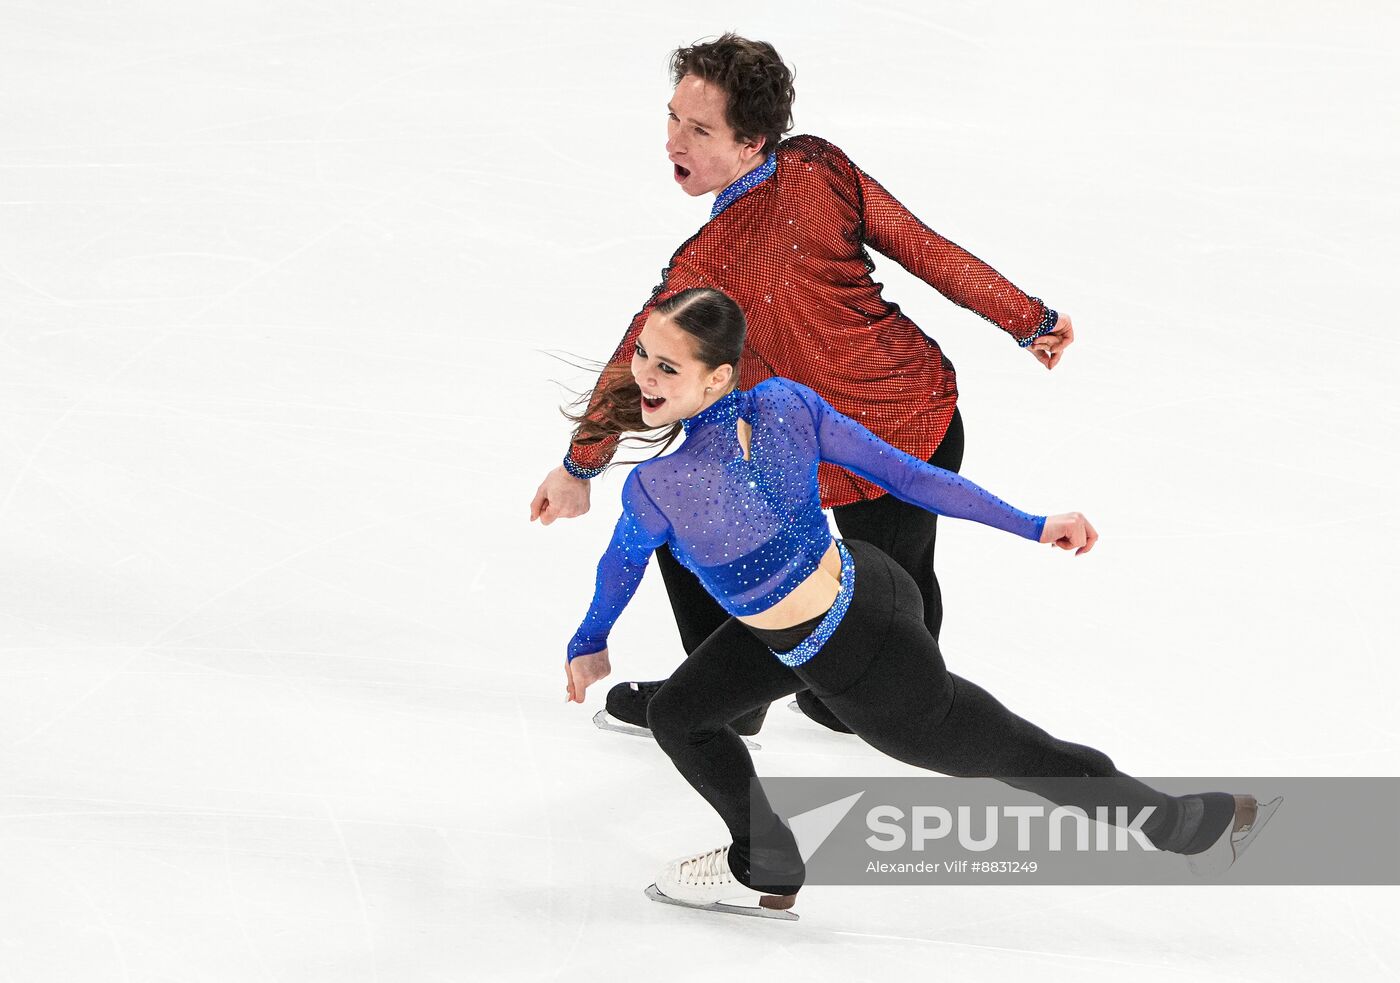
point(812, 644)
point(1047, 324)
point(578, 471)
point(745, 184)
point(752, 528)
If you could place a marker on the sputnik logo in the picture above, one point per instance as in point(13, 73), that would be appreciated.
point(811, 828)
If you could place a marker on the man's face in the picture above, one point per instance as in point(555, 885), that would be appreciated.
point(704, 152)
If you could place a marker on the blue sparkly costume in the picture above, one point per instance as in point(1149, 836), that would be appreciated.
point(752, 529)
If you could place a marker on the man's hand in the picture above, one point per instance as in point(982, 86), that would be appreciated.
point(561, 496)
point(1070, 531)
point(583, 671)
point(1049, 348)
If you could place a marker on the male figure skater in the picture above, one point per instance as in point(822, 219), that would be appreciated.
point(787, 238)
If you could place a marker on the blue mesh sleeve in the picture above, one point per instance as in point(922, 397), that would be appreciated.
point(639, 531)
point(845, 442)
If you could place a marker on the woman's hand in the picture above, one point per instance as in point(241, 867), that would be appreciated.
point(583, 671)
point(1070, 531)
point(1048, 348)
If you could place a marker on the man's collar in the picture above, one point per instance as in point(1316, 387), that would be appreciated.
point(745, 184)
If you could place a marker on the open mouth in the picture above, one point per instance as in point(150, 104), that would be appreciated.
point(652, 403)
point(681, 172)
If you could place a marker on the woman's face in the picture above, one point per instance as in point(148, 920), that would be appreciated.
point(675, 384)
point(705, 155)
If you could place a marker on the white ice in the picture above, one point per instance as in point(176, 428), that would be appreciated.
point(281, 684)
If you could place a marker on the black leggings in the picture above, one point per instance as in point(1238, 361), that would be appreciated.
point(903, 532)
point(882, 674)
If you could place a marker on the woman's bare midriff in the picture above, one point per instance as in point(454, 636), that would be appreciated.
point(813, 596)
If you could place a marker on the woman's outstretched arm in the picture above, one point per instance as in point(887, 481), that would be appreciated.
point(845, 442)
point(639, 531)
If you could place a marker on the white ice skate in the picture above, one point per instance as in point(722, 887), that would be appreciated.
point(705, 881)
point(1232, 844)
point(606, 721)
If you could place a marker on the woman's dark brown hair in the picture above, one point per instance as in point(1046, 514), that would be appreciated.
point(708, 315)
point(757, 82)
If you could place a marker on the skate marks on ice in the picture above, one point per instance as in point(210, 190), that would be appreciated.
point(769, 906)
point(605, 721)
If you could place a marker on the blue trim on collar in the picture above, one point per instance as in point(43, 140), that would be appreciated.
point(745, 184)
point(724, 409)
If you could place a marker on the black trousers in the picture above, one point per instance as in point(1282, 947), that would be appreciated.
point(903, 532)
point(883, 675)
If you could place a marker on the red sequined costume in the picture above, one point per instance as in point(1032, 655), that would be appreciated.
point(790, 249)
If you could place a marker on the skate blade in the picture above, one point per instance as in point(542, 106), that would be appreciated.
point(722, 908)
point(605, 721)
point(1265, 813)
point(1226, 851)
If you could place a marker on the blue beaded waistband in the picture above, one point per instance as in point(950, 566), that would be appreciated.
point(810, 645)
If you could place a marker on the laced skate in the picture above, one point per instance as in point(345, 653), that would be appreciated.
point(1220, 855)
point(705, 881)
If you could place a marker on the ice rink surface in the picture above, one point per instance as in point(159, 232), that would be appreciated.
point(281, 684)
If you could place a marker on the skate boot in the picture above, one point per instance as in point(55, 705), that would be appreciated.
point(815, 709)
point(1250, 817)
point(627, 702)
point(705, 881)
point(626, 712)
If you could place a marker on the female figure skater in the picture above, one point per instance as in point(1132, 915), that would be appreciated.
point(787, 238)
point(738, 505)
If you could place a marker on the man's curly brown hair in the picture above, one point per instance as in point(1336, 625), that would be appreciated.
point(757, 82)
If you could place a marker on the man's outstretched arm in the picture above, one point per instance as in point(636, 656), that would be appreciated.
point(967, 281)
